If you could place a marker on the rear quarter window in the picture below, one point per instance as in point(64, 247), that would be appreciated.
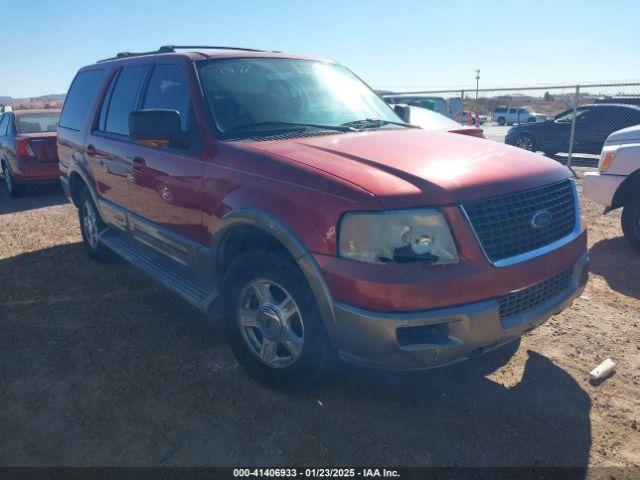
point(81, 94)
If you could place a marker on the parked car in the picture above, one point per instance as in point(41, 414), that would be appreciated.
point(594, 123)
point(466, 118)
point(430, 120)
point(317, 221)
point(616, 184)
point(439, 104)
point(28, 148)
point(512, 115)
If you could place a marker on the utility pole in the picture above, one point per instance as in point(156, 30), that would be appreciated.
point(477, 82)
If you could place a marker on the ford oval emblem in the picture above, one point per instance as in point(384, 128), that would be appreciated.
point(540, 219)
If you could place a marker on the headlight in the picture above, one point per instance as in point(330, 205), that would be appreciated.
point(400, 236)
point(606, 158)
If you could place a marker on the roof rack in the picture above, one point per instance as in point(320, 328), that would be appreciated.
point(173, 48)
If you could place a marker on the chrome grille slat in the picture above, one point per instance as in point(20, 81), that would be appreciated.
point(523, 300)
point(502, 223)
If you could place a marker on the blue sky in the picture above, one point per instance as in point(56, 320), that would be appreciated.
point(414, 44)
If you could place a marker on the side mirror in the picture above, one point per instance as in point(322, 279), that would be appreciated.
point(403, 111)
point(155, 127)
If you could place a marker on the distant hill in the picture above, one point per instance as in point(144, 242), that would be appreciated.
point(53, 100)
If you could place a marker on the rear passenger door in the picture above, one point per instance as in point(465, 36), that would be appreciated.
point(108, 149)
point(166, 182)
point(4, 123)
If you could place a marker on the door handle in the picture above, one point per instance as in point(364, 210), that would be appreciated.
point(138, 164)
point(91, 150)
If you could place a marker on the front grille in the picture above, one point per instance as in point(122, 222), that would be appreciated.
point(503, 223)
point(518, 302)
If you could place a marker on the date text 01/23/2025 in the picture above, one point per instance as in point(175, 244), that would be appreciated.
point(315, 473)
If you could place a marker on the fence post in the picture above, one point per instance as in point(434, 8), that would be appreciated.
point(461, 106)
point(576, 100)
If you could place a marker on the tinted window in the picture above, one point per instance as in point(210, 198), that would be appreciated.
point(168, 90)
point(4, 123)
point(81, 94)
point(123, 100)
point(619, 118)
point(37, 123)
point(565, 117)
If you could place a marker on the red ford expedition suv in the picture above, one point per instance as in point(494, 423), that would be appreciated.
point(28, 148)
point(282, 191)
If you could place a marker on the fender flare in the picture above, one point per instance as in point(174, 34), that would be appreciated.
point(86, 179)
point(275, 227)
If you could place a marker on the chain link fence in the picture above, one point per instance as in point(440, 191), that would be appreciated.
point(569, 123)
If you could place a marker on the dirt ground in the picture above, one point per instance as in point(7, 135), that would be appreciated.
point(101, 366)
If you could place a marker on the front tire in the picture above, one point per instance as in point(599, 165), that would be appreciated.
point(273, 323)
point(631, 223)
point(14, 188)
point(501, 121)
point(91, 225)
point(526, 142)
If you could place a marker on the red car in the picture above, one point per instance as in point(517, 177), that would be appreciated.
point(302, 208)
point(28, 150)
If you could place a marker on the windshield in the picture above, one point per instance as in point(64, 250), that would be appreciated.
point(243, 93)
point(37, 122)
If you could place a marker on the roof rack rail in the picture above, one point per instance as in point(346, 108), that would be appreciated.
point(173, 48)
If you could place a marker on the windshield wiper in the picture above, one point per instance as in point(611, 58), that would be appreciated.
point(375, 123)
point(267, 123)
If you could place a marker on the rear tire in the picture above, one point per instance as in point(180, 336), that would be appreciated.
point(91, 225)
point(631, 222)
point(501, 121)
point(274, 327)
point(14, 188)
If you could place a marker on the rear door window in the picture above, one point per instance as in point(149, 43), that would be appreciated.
point(80, 97)
point(123, 99)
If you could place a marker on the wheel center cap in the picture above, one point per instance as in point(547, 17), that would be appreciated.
point(270, 322)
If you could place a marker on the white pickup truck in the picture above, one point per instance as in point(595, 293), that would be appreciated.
point(617, 182)
point(511, 115)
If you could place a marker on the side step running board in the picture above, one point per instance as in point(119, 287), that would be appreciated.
point(193, 289)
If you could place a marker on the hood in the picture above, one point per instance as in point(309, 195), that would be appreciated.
point(629, 134)
point(412, 167)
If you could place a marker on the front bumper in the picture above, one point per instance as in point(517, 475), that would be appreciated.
point(445, 335)
point(601, 188)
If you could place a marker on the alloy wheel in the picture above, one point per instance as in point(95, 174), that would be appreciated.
point(90, 224)
point(525, 142)
point(271, 323)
